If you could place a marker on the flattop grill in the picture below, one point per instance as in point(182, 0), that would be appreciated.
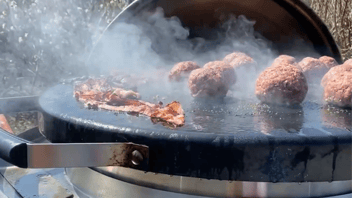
point(232, 147)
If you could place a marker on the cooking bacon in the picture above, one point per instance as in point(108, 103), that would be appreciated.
point(171, 113)
point(97, 94)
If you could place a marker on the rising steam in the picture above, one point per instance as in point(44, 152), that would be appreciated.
point(45, 41)
point(144, 46)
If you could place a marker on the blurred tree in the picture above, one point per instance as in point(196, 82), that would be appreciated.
point(337, 15)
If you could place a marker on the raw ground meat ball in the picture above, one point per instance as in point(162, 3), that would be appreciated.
point(281, 84)
point(214, 80)
point(337, 85)
point(182, 70)
point(349, 61)
point(217, 64)
point(346, 67)
point(246, 70)
point(328, 61)
point(284, 59)
point(239, 59)
point(313, 69)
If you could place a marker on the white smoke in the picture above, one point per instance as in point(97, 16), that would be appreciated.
point(144, 47)
point(45, 41)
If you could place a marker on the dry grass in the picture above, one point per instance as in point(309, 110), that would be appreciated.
point(337, 15)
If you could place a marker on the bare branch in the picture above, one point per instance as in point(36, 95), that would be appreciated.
point(337, 15)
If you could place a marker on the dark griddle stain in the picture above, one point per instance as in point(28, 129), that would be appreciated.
point(335, 151)
point(231, 157)
point(302, 156)
point(273, 167)
point(225, 158)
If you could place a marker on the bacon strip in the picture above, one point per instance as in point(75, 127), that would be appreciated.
point(100, 96)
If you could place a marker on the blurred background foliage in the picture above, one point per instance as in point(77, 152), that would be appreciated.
point(337, 15)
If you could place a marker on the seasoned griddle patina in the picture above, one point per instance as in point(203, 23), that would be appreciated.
point(231, 139)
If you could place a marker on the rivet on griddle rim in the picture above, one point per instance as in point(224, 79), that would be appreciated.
point(137, 158)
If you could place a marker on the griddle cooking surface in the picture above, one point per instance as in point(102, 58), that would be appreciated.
point(228, 116)
point(227, 140)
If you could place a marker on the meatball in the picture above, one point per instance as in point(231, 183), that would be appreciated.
point(213, 80)
point(346, 67)
point(349, 62)
point(182, 70)
point(313, 69)
point(239, 59)
point(284, 59)
point(337, 85)
point(281, 84)
point(246, 71)
point(328, 61)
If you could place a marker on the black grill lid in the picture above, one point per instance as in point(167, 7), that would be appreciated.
point(299, 147)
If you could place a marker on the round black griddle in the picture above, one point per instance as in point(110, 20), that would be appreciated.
point(231, 139)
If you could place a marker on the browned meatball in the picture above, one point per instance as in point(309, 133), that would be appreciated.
point(214, 80)
point(284, 59)
point(328, 61)
point(182, 70)
point(313, 69)
point(281, 84)
point(337, 85)
point(239, 59)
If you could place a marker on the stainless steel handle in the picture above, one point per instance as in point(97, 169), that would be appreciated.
point(24, 154)
point(13, 149)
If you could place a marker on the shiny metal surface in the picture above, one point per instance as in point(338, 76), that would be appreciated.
point(93, 184)
point(85, 154)
point(41, 183)
point(129, 183)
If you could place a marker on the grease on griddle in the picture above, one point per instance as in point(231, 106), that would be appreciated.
point(273, 118)
point(337, 117)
